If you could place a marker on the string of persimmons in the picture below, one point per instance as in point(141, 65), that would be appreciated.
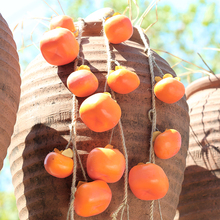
point(100, 112)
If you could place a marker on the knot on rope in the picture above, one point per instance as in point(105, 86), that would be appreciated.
point(151, 114)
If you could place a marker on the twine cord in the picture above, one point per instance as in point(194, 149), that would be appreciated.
point(159, 207)
point(73, 135)
point(124, 203)
point(152, 113)
point(108, 55)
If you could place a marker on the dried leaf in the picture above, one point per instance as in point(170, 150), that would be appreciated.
point(155, 134)
point(68, 153)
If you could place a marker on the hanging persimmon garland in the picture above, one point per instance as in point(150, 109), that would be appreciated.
point(83, 83)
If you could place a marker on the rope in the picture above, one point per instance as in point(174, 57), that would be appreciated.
point(152, 113)
point(73, 135)
point(161, 218)
point(108, 55)
point(124, 203)
point(125, 199)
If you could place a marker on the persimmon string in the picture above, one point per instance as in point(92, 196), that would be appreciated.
point(125, 199)
point(111, 137)
point(152, 113)
point(124, 203)
point(73, 135)
point(159, 207)
point(108, 55)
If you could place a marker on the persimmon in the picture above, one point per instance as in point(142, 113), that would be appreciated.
point(105, 164)
point(62, 21)
point(58, 165)
point(169, 89)
point(123, 81)
point(148, 181)
point(59, 46)
point(118, 29)
point(100, 112)
point(92, 198)
point(167, 144)
point(82, 82)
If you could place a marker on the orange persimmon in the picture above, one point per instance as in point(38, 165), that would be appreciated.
point(167, 144)
point(123, 81)
point(58, 165)
point(100, 112)
point(82, 82)
point(105, 164)
point(118, 29)
point(59, 46)
point(62, 21)
point(92, 198)
point(169, 90)
point(148, 181)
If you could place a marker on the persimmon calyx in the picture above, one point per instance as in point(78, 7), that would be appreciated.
point(116, 13)
point(57, 151)
point(76, 33)
point(67, 152)
point(157, 78)
point(80, 183)
point(83, 67)
point(109, 146)
point(119, 67)
point(141, 163)
point(107, 93)
point(168, 75)
point(155, 134)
